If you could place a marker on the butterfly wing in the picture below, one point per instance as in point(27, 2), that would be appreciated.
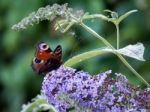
point(58, 52)
point(54, 61)
point(51, 64)
point(50, 59)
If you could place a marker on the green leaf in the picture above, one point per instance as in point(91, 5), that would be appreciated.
point(125, 15)
point(133, 51)
point(84, 56)
point(38, 104)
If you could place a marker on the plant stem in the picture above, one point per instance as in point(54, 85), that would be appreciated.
point(119, 55)
point(97, 35)
point(132, 69)
point(118, 36)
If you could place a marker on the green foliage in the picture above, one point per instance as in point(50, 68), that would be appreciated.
point(38, 104)
point(18, 83)
point(133, 51)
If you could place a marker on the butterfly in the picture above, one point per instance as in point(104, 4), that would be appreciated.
point(46, 60)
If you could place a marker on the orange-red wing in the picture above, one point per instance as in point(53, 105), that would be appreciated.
point(42, 54)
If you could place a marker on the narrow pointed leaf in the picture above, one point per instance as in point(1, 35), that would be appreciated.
point(126, 15)
point(84, 56)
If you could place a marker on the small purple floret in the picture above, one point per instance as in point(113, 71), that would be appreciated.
point(99, 93)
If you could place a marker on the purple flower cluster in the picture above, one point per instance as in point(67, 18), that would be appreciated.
point(99, 93)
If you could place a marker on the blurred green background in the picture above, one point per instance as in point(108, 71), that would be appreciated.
point(19, 84)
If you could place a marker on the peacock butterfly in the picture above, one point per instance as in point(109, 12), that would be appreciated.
point(46, 60)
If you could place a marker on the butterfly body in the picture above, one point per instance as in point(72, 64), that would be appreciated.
point(45, 59)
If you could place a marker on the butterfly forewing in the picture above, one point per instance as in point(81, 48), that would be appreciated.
point(58, 52)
